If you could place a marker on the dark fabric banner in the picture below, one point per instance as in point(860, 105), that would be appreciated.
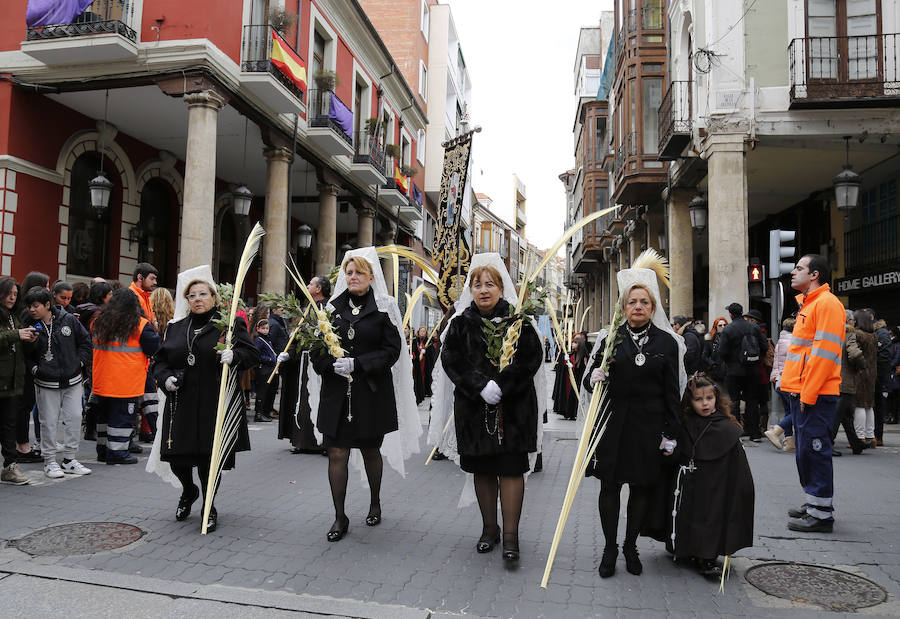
point(448, 251)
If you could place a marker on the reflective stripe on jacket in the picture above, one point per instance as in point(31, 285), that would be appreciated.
point(120, 370)
point(813, 363)
point(143, 299)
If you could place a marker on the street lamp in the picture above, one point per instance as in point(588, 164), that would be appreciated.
point(242, 198)
point(304, 237)
point(698, 210)
point(101, 189)
point(847, 184)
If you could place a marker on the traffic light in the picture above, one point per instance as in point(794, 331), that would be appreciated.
point(778, 250)
point(756, 279)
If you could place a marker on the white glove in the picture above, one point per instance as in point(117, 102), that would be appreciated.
point(491, 393)
point(227, 356)
point(668, 445)
point(598, 376)
point(172, 384)
point(343, 367)
point(283, 356)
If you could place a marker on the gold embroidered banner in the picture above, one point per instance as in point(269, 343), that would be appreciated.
point(449, 253)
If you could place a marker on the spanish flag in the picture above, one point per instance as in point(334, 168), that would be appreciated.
point(287, 61)
point(402, 181)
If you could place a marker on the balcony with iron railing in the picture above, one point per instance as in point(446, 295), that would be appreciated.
point(393, 192)
point(653, 18)
point(108, 25)
point(872, 245)
point(368, 158)
point(848, 71)
point(675, 120)
point(330, 122)
point(274, 85)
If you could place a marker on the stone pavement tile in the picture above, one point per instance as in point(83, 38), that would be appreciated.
point(191, 609)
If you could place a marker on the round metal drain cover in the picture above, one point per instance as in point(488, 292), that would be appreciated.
point(813, 584)
point(80, 538)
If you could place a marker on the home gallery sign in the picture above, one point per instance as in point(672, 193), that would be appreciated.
point(869, 282)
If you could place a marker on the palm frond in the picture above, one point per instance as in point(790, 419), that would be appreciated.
point(411, 301)
point(227, 412)
point(405, 252)
point(651, 259)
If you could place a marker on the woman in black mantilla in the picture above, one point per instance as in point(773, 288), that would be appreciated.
point(189, 368)
point(357, 414)
point(421, 365)
point(495, 412)
point(644, 402)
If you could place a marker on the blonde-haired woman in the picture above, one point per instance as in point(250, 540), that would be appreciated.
point(163, 306)
point(644, 382)
point(357, 403)
point(188, 367)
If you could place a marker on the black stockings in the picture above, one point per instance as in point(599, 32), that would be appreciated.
point(608, 503)
point(338, 460)
point(185, 474)
point(512, 493)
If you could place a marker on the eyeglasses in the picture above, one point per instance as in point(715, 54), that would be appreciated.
point(197, 295)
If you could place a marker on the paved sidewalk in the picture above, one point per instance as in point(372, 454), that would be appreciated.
point(270, 550)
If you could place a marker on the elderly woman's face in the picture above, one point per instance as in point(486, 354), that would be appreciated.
point(200, 299)
point(638, 307)
point(358, 282)
point(486, 292)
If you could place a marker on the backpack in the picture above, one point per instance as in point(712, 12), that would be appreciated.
point(749, 352)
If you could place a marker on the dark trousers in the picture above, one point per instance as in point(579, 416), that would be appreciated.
point(844, 417)
point(265, 391)
point(814, 452)
point(23, 412)
point(9, 409)
point(115, 425)
point(880, 409)
point(745, 388)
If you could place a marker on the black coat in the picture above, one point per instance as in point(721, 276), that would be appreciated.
point(715, 516)
point(560, 376)
point(71, 347)
point(730, 347)
point(464, 356)
point(189, 417)
point(374, 349)
point(694, 348)
point(294, 375)
point(421, 375)
point(711, 360)
point(644, 403)
point(572, 396)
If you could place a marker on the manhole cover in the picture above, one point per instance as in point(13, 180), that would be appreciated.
point(80, 538)
point(813, 584)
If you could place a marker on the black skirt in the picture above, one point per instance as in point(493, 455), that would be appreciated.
point(495, 464)
point(347, 438)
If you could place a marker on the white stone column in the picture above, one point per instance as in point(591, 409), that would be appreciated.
point(365, 214)
point(198, 212)
point(728, 221)
point(275, 221)
point(681, 254)
point(326, 238)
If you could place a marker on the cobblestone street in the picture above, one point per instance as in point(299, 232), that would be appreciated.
point(270, 552)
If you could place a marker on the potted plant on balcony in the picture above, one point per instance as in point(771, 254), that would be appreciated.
point(371, 125)
point(326, 80)
point(392, 150)
point(408, 171)
point(281, 20)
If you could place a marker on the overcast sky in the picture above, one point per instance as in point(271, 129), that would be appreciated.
point(521, 58)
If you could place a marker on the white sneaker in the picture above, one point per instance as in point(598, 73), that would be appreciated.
point(52, 470)
point(74, 467)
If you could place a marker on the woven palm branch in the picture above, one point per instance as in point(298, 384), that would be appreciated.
point(231, 406)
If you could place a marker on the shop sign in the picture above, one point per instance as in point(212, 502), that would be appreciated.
point(868, 282)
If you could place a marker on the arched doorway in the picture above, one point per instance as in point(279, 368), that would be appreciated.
point(159, 233)
point(90, 233)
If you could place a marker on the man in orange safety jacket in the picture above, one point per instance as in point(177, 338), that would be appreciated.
point(812, 377)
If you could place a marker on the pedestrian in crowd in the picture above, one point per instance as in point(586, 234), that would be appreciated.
point(560, 377)
point(894, 395)
point(278, 336)
point(357, 401)
point(763, 368)
point(546, 349)
point(812, 373)
point(28, 452)
point(61, 295)
point(265, 391)
point(713, 502)
point(578, 363)
point(144, 282)
point(57, 362)
point(495, 412)
point(163, 306)
point(711, 359)
point(99, 295)
point(189, 368)
point(13, 338)
point(782, 434)
point(866, 378)
point(124, 340)
point(420, 362)
point(80, 293)
point(646, 379)
point(884, 378)
point(684, 327)
point(741, 346)
point(294, 420)
point(852, 362)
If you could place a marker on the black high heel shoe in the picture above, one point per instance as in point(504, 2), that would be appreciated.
point(336, 535)
point(511, 549)
point(487, 541)
point(374, 517)
point(213, 521)
point(632, 560)
point(184, 504)
point(608, 563)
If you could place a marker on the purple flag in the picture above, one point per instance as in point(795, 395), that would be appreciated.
point(417, 195)
point(53, 12)
point(341, 114)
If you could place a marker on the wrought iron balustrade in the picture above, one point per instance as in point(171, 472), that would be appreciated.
point(100, 17)
point(675, 120)
point(368, 148)
point(872, 245)
point(256, 56)
point(322, 112)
